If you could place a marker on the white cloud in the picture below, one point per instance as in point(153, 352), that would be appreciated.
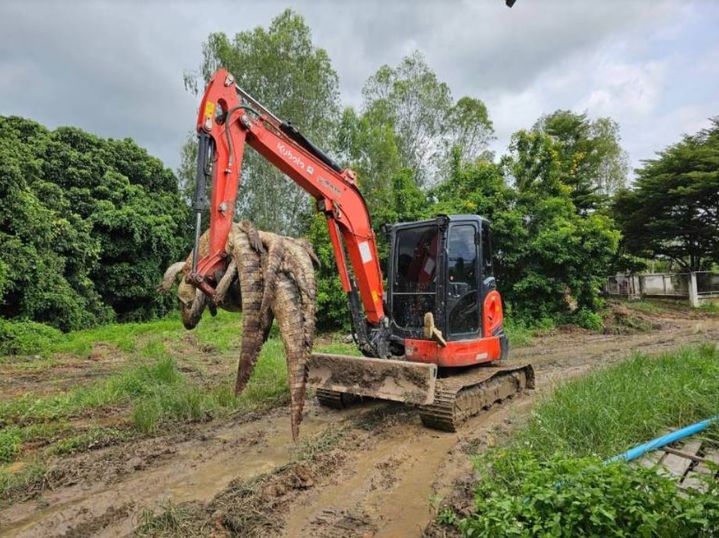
point(115, 67)
point(622, 89)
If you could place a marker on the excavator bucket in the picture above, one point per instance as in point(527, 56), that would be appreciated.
point(386, 379)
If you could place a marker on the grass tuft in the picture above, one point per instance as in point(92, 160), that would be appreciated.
point(91, 439)
point(22, 480)
point(610, 410)
point(168, 522)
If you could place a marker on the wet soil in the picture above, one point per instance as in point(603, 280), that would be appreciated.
point(371, 470)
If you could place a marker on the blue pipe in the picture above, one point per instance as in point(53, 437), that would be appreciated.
point(659, 442)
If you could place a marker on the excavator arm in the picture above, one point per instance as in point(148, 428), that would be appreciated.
point(228, 119)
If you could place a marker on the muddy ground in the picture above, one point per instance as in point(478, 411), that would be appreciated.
point(371, 470)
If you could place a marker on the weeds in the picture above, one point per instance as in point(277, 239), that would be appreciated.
point(91, 439)
point(168, 522)
point(522, 335)
point(156, 393)
point(710, 308)
point(26, 337)
point(549, 480)
point(522, 495)
point(610, 410)
point(646, 306)
point(10, 439)
point(310, 448)
point(22, 480)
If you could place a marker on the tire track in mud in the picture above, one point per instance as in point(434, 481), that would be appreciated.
point(152, 472)
point(418, 466)
point(386, 483)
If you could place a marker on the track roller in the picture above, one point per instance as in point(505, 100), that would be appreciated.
point(462, 396)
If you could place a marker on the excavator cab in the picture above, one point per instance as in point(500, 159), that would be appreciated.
point(441, 292)
point(441, 266)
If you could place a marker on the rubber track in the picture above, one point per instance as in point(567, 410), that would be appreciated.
point(459, 397)
point(330, 398)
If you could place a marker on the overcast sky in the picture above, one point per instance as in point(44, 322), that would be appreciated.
point(115, 67)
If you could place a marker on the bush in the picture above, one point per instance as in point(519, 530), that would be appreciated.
point(26, 337)
point(550, 480)
point(587, 319)
point(88, 226)
point(519, 495)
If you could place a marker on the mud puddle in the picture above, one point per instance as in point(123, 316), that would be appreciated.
point(193, 470)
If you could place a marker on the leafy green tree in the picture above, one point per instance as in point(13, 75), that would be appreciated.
point(87, 226)
point(428, 124)
point(672, 211)
point(468, 129)
point(371, 150)
point(549, 260)
point(280, 67)
point(590, 159)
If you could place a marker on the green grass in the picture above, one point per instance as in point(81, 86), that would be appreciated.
point(520, 494)
point(549, 479)
point(118, 388)
point(21, 480)
point(339, 348)
point(151, 388)
point(220, 332)
point(711, 308)
point(521, 334)
point(96, 437)
point(187, 401)
point(645, 305)
point(157, 392)
point(613, 409)
point(160, 376)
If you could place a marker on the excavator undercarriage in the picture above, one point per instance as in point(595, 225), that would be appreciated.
point(444, 402)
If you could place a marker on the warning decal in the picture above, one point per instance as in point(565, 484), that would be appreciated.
point(365, 252)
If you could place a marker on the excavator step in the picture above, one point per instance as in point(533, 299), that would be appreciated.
point(386, 379)
point(466, 394)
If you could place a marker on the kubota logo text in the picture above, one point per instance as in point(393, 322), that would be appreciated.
point(291, 157)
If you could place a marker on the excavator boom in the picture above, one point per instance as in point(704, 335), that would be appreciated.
point(229, 118)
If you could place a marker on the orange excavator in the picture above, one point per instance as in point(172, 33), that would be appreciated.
point(433, 336)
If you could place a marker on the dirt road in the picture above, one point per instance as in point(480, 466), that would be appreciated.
point(371, 470)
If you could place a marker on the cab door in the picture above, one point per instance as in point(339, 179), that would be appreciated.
point(463, 277)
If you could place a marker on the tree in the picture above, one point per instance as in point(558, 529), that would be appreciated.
point(87, 226)
point(428, 124)
point(549, 260)
point(590, 159)
point(672, 212)
point(469, 129)
point(372, 151)
point(281, 68)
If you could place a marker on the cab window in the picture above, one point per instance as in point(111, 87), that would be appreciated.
point(463, 297)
